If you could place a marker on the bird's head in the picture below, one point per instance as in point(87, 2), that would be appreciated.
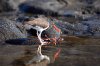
point(53, 34)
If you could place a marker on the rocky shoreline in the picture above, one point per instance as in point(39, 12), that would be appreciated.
point(78, 20)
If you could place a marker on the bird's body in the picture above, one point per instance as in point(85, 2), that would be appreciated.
point(41, 22)
point(39, 25)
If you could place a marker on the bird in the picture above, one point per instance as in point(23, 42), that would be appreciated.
point(39, 24)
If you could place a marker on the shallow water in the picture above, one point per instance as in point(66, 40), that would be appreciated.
point(74, 52)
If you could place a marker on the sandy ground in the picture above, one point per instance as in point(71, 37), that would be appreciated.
point(74, 52)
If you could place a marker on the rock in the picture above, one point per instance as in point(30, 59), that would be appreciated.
point(52, 7)
point(89, 28)
point(9, 5)
point(9, 30)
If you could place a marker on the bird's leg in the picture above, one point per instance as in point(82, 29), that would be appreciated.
point(41, 40)
point(39, 37)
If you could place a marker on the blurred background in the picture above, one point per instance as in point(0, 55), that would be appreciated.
point(79, 21)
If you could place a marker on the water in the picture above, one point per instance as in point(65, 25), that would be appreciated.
point(74, 52)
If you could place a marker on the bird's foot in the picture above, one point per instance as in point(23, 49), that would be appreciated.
point(44, 43)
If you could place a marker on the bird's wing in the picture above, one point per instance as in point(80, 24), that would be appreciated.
point(39, 22)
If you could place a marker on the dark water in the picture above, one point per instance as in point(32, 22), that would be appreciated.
point(74, 52)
